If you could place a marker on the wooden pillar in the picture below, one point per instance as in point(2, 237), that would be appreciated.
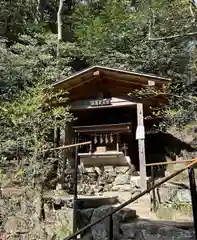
point(64, 156)
point(56, 138)
point(140, 136)
point(68, 139)
point(56, 143)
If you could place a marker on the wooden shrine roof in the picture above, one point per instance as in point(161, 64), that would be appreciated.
point(126, 77)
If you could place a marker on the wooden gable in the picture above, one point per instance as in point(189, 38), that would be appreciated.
point(110, 83)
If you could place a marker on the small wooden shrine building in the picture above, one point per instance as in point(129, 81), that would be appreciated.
point(108, 115)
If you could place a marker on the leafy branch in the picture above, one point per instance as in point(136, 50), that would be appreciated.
point(152, 92)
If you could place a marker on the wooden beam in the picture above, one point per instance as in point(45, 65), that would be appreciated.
point(82, 82)
point(140, 136)
point(127, 82)
point(118, 87)
point(120, 127)
point(87, 93)
point(133, 82)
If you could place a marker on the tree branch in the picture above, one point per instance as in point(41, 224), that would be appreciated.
point(167, 37)
point(172, 36)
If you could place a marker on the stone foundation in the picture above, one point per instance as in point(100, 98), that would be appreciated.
point(95, 180)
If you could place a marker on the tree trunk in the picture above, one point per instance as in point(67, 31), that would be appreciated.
point(39, 204)
point(59, 26)
point(41, 5)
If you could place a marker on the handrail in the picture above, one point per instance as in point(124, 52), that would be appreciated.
point(194, 161)
point(153, 169)
point(67, 146)
point(168, 162)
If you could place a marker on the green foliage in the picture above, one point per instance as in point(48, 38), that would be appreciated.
point(28, 121)
point(116, 33)
point(63, 229)
point(2, 175)
point(172, 210)
point(14, 16)
point(33, 61)
point(116, 30)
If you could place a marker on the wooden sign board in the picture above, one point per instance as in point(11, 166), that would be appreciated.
point(100, 102)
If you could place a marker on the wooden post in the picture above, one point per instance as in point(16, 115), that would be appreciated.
point(75, 193)
point(67, 153)
point(56, 144)
point(64, 141)
point(69, 140)
point(56, 139)
point(140, 136)
point(117, 142)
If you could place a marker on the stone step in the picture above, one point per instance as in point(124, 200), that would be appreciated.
point(154, 230)
point(95, 201)
point(181, 225)
point(126, 225)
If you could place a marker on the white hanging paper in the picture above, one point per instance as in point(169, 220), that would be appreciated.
point(106, 138)
point(111, 138)
point(140, 132)
point(95, 139)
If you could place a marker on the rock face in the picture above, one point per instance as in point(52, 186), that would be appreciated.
point(183, 195)
point(122, 179)
point(150, 230)
point(174, 192)
point(167, 193)
point(84, 217)
point(101, 230)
